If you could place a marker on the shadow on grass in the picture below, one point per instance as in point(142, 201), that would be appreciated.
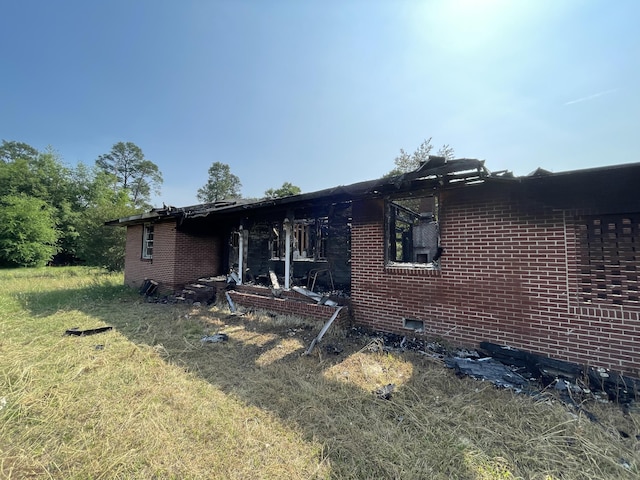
point(428, 429)
point(262, 364)
point(84, 299)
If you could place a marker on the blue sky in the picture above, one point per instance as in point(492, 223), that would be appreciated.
point(322, 93)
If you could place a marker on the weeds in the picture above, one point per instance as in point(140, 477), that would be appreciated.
point(149, 400)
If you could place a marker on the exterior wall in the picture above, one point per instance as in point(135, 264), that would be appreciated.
point(196, 256)
point(178, 258)
point(509, 276)
point(161, 266)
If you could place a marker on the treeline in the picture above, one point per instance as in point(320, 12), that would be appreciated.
point(50, 212)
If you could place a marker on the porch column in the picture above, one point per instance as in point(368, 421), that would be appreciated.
point(287, 253)
point(240, 254)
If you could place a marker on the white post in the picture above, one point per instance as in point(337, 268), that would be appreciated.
point(287, 254)
point(240, 254)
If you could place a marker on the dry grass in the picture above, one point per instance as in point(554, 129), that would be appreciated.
point(154, 402)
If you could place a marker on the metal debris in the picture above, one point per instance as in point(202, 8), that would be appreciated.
point(232, 306)
point(323, 331)
point(217, 338)
point(487, 369)
point(320, 299)
point(233, 278)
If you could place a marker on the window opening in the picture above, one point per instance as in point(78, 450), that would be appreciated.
point(275, 245)
point(234, 241)
point(321, 238)
point(301, 239)
point(147, 241)
point(308, 236)
point(413, 233)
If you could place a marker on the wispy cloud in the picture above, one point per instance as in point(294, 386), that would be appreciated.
point(590, 97)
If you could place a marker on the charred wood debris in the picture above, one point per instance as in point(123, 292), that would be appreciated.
point(503, 366)
point(516, 370)
point(207, 290)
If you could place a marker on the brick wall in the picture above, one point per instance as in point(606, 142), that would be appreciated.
point(178, 258)
point(196, 256)
point(161, 266)
point(261, 298)
point(508, 276)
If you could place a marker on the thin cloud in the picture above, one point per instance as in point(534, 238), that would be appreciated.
point(590, 97)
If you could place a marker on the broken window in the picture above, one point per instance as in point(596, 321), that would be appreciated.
point(275, 245)
point(147, 241)
point(234, 240)
point(308, 239)
point(609, 263)
point(301, 235)
point(413, 235)
point(321, 238)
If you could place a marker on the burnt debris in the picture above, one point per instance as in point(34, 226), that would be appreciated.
point(76, 332)
point(515, 369)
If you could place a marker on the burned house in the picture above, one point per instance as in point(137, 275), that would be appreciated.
point(547, 262)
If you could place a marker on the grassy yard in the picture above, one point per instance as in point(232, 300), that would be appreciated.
point(149, 400)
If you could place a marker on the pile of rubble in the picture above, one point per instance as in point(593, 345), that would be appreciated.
point(517, 370)
point(202, 292)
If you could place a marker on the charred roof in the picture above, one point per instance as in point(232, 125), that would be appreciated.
point(563, 188)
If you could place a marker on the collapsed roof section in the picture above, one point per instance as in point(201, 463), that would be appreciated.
point(582, 188)
point(435, 172)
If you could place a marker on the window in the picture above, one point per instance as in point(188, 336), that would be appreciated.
point(321, 238)
point(301, 247)
point(234, 240)
point(275, 245)
point(609, 262)
point(147, 241)
point(308, 238)
point(412, 231)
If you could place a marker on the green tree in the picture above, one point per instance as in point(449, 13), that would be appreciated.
point(36, 186)
point(406, 162)
point(26, 171)
point(98, 244)
point(222, 184)
point(55, 186)
point(285, 190)
point(131, 172)
point(10, 151)
point(28, 233)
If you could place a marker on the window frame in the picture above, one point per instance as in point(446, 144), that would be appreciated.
point(276, 242)
point(401, 246)
point(308, 236)
point(147, 241)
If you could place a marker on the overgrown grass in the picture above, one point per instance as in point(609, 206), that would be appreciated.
point(149, 400)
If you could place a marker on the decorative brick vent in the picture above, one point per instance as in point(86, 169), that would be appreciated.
point(609, 259)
